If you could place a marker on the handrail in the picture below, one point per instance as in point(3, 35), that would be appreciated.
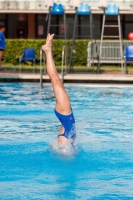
point(41, 68)
point(63, 59)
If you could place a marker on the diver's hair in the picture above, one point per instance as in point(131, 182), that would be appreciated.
point(2, 26)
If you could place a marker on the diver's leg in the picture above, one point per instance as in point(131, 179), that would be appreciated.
point(62, 100)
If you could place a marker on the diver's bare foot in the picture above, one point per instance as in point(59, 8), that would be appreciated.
point(48, 44)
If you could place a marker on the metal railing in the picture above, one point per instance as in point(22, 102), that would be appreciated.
point(43, 68)
point(111, 54)
point(63, 71)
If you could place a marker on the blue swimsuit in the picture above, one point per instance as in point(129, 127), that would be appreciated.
point(68, 122)
point(2, 41)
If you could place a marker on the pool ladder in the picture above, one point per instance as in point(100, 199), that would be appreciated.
point(43, 67)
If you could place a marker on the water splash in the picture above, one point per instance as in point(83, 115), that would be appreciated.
point(66, 149)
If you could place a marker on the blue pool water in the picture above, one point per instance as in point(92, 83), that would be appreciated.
point(30, 169)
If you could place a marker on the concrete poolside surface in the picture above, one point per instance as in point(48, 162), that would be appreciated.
point(68, 78)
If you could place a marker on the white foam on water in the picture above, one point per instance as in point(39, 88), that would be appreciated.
point(72, 134)
point(69, 148)
point(66, 149)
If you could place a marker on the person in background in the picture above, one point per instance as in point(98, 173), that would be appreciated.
point(2, 43)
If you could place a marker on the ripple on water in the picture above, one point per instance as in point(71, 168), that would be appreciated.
point(34, 166)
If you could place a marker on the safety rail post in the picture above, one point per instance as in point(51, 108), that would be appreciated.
point(41, 66)
point(42, 71)
point(62, 68)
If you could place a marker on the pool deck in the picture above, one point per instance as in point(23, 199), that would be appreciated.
point(69, 78)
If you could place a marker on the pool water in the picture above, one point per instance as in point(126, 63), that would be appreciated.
point(103, 166)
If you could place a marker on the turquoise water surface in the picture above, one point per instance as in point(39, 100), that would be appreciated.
point(103, 166)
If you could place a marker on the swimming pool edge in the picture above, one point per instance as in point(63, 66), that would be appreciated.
point(70, 78)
